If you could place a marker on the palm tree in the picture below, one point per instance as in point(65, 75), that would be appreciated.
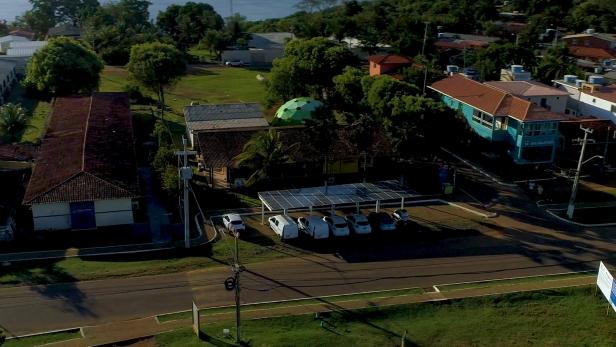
point(13, 122)
point(556, 63)
point(264, 152)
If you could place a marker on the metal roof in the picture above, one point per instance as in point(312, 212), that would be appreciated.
point(11, 38)
point(27, 44)
point(21, 52)
point(335, 195)
point(224, 116)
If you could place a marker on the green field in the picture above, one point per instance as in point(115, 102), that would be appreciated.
point(202, 84)
point(39, 340)
point(258, 248)
point(564, 317)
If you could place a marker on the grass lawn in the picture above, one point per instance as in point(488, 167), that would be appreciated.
point(295, 303)
point(42, 339)
point(39, 111)
point(565, 317)
point(203, 84)
point(258, 248)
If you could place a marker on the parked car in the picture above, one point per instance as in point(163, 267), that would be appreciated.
point(314, 227)
point(234, 223)
point(284, 226)
point(359, 224)
point(381, 221)
point(337, 225)
point(401, 217)
point(234, 63)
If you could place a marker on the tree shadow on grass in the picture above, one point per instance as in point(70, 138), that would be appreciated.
point(196, 70)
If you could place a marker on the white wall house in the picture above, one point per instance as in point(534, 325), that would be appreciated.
point(540, 94)
point(590, 98)
point(85, 175)
point(262, 49)
point(5, 41)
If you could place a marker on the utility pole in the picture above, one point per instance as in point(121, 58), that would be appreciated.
point(185, 173)
point(423, 51)
point(576, 180)
point(236, 271)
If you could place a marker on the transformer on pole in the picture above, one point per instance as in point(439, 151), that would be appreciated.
point(185, 173)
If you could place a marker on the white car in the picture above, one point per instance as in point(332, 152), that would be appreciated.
point(234, 63)
point(234, 223)
point(284, 227)
point(314, 226)
point(401, 216)
point(337, 225)
point(359, 224)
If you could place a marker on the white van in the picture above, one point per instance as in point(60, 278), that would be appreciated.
point(284, 227)
point(314, 226)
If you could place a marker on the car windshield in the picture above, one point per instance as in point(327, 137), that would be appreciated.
point(363, 223)
point(340, 225)
point(236, 222)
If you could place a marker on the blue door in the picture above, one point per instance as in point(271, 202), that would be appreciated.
point(83, 215)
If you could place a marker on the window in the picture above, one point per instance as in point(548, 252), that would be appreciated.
point(594, 100)
point(544, 102)
point(613, 108)
point(483, 118)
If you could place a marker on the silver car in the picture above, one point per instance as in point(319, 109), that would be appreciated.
point(359, 224)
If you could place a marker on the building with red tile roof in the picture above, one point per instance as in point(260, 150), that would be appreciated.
point(85, 174)
point(388, 64)
point(531, 131)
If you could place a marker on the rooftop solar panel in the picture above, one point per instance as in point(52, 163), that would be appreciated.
point(335, 195)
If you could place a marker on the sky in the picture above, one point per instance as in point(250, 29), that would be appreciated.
point(252, 9)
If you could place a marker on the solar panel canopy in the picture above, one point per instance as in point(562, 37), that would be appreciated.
point(335, 195)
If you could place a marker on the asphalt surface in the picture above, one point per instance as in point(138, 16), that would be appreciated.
point(521, 242)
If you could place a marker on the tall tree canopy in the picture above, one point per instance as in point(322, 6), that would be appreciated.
point(498, 55)
point(46, 14)
point(156, 66)
point(556, 63)
point(63, 67)
point(307, 69)
point(115, 27)
point(188, 24)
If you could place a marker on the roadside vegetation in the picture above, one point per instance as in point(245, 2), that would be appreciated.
point(563, 317)
point(42, 339)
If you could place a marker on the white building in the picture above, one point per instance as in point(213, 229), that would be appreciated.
point(590, 98)
point(20, 52)
point(85, 175)
point(8, 75)
point(538, 93)
point(262, 49)
point(5, 41)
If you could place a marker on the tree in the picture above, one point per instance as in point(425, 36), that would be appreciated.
point(307, 69)
point(264, 153)
point(316, 5)
point(322, 129)
point(13, 122)
point(2, 337)
point(498, 55)
point(63, 67)
point(417, 122)
point(188, 24)
point(46, 14)
point(381, 91)
point(215, 41)
point(156, 66)
point(116, 26)
point(598, 14)
point(347, 93)
point(555, 64)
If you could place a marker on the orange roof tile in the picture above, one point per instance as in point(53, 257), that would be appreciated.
point(389, 59)
point(492, 100)
point(591, 52)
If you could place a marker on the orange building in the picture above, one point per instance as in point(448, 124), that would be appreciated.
point(387, 64)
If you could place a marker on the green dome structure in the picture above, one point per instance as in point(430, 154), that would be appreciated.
point(296, 111)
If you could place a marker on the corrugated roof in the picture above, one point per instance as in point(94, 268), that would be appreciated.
point(491, 100)
point(87, 153)
point(22, 52)
point(603, 36)
point(269, 40)
point(27, 44)
point(11, 38)
point(224, 116)
point(527, 88)
point(605, 92)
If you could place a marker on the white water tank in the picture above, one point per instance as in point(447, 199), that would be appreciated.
point(578, 83)
point(452, 69)
point(595, 79)
point(517, 68)
point(590, 31)
point(570, 79)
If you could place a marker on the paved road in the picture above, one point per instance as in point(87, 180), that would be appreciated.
point(521, 242)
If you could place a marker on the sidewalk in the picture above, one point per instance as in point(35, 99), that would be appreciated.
point(147, 327)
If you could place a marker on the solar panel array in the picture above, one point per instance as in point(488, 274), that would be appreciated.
point(335, 195)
